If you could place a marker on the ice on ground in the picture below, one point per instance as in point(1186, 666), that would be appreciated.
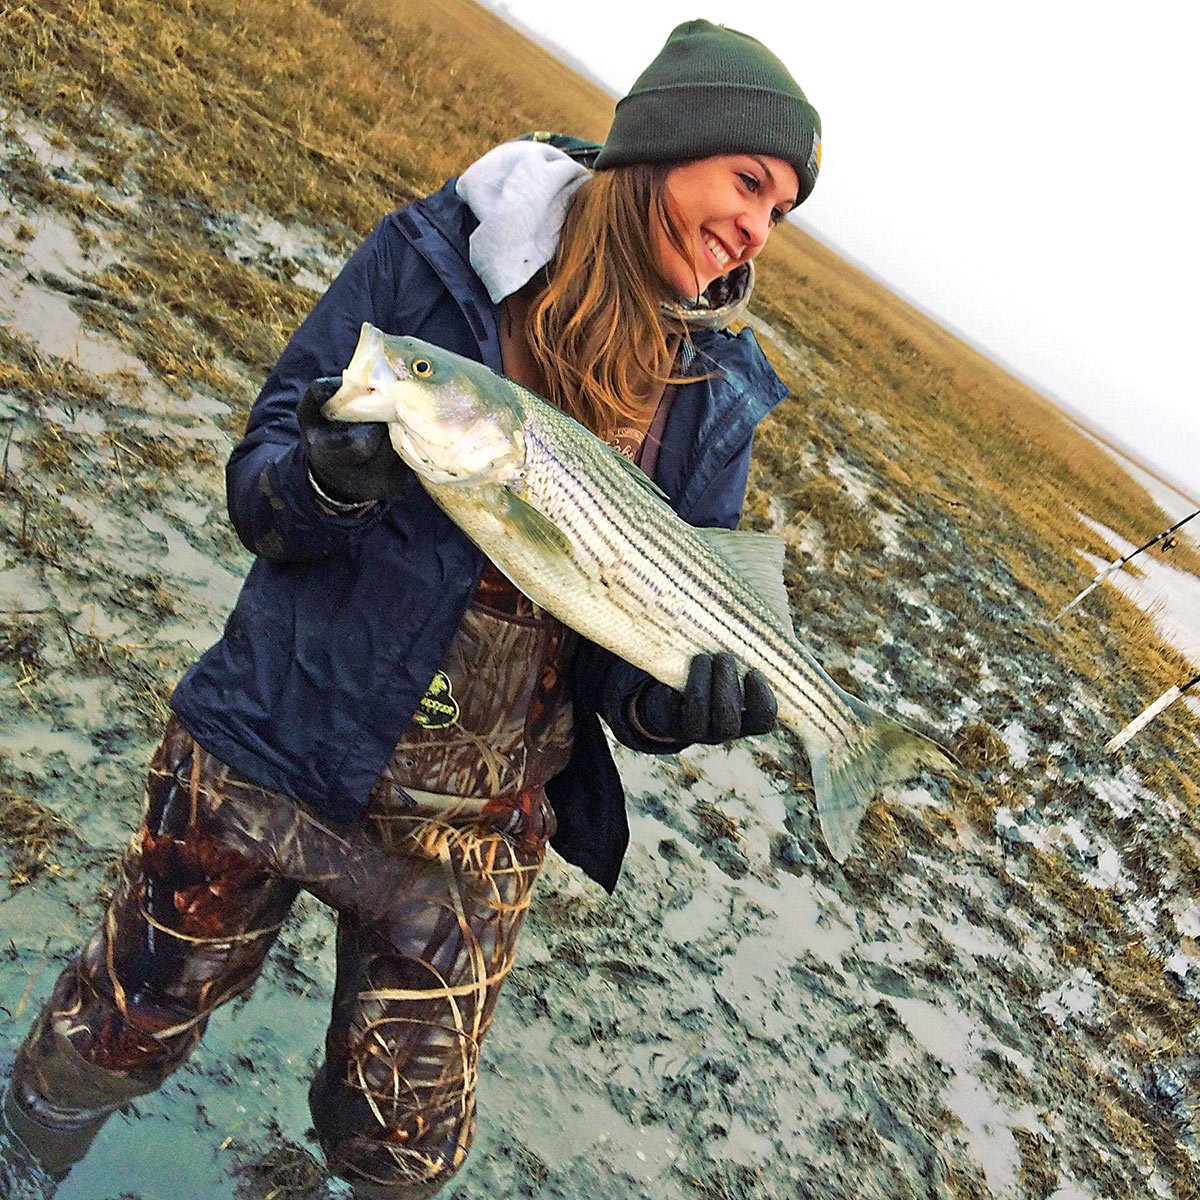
point(1121, 793)
point(959, 1041)
point(46, 317)
point(302, 250)
point(1076, 996)
point(1016, 738)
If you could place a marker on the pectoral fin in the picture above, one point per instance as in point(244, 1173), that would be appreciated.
point(530, 524)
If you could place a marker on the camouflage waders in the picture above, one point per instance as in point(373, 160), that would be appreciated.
point(430, 894)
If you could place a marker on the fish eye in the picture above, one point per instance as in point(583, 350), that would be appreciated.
point(422, 368)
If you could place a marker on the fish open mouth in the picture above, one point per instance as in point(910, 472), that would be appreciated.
point(355, 401)
point(366, 382)
point(442, 423)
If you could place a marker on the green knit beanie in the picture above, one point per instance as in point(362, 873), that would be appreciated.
point(712, 90)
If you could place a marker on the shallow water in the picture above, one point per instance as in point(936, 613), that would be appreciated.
point(1170, 597)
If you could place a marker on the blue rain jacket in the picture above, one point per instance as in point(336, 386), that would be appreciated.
point(343, 620)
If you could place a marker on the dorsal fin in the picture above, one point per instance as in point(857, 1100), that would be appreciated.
point(638, 475)
point(758, 559)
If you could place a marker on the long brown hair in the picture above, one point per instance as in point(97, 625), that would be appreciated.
point(596, 330)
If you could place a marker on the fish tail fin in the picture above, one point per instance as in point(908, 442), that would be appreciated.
point(887, 751)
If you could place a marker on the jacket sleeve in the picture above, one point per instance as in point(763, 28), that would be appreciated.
point(271, 504)
point(614, 682)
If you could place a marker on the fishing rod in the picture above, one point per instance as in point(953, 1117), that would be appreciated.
point(1145, 717)
point(1117, 564)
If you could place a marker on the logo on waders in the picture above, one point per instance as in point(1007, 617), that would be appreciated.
point(437, 708)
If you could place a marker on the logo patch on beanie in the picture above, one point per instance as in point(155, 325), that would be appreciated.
point(814, 155)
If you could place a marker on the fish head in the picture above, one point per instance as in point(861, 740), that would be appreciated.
point(452, 420)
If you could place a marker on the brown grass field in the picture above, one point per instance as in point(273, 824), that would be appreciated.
point(326, 114)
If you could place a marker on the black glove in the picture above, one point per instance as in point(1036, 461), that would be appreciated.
point(352, 462)
point(714, 706)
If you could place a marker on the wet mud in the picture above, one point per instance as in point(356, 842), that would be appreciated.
point(996, 997)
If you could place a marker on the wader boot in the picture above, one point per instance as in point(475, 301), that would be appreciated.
point(40, 1150)
point(56, 1102)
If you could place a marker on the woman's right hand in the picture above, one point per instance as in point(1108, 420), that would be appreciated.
point(350, 462)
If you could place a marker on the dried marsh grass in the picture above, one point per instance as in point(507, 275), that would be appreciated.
point(938, 395)
point(333, 111)
point(31, 834)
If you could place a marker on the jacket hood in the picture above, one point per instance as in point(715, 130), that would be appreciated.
point(519, 193)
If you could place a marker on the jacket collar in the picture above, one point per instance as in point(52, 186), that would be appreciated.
point(439, 228)
point(723, 302)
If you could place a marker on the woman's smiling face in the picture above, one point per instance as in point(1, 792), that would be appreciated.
point(725, 208)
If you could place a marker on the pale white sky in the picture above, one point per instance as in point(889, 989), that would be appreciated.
point(1026, 171)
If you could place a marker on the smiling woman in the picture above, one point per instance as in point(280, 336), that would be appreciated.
point(387, 722)
point(713, 142)
point(725, 207)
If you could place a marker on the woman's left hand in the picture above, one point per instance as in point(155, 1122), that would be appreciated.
point(714, 706)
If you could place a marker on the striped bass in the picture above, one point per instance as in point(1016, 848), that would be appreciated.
point(588, 536)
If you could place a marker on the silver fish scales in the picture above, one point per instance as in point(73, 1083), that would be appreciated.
point(586, 535)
